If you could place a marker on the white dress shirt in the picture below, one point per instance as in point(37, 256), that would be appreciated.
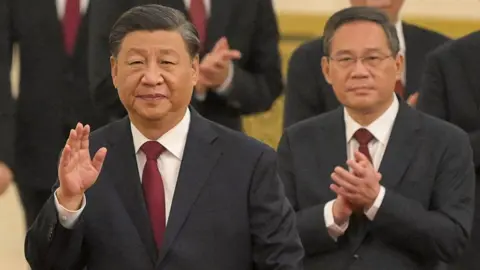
point(403, 48)
point(61, 5)
point(381, 129)
point(168, 164)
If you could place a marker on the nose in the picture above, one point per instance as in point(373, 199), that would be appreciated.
point(152, 76)
point(359, 69)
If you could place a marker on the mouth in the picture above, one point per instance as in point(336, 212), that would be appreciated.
point(151, 97)
point(359, 88)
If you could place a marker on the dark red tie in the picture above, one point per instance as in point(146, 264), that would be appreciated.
point(363, 137)
point(399, 89)
point(153, 189)
point(198, 17)
point(71, 22)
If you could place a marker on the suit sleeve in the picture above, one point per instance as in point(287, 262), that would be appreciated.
point(310, 221)
point(442, 231)
point(301, 94)
point(6, 99)
point(102, 16)
point(433, 98)
point(259, 83)
point(276, 244)
point(49, 245)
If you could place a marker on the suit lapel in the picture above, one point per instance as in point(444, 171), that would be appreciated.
point(220, 11)
point(200, 157)
point(331, 150)
point(122, 168)
point(402, 146)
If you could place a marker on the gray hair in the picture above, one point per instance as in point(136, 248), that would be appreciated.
point(361, 13)
point(153, 17)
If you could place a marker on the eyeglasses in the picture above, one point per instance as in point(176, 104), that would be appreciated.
point(372, 61)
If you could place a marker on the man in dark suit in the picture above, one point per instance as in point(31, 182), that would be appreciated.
point(240, 71)
point(308, 93)
point(176, 191)
point(405, 198)
point(53, 94)
point(6, 103)
point(450, 90)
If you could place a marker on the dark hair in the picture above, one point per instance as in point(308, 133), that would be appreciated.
point(151, 18)
point(360, 13)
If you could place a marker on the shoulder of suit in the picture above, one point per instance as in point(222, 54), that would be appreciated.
point(460, 47)
point(238, 140)
point(308, 125)
point(440, 128)
point(309, 48)
point(433, 37)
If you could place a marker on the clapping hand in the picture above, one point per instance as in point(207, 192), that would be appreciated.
point(77, 171)
point(361, 186)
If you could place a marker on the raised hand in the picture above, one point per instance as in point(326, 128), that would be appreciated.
point(77, 171)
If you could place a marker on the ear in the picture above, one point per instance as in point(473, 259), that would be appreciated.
point(195, 69)
point(400, 65)
point(326, 68)
point(114, 70)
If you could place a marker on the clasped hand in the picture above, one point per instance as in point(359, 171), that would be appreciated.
point(360, 186)
point(215, 66)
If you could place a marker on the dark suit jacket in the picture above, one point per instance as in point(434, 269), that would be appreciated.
point(53, 90)
point(308, 93)
point(6, 100)
point(426, 214)
point(250, 27)
point(229, 211)
point(451, 91)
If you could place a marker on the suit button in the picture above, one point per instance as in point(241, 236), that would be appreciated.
point(356, 256)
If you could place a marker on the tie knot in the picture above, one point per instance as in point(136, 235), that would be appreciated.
point(363, 136)
point(152, 149)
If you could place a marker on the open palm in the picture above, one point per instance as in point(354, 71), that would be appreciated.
point(77, 171)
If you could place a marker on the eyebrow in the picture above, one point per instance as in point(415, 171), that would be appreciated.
point(368, 50)
point(144, 51)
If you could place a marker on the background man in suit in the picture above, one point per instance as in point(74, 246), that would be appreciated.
point(308, 93)
point(451, 91)
point(53, 94)
point(405, 199)
point(200, 209)
point(240, 70)
point(6, 103)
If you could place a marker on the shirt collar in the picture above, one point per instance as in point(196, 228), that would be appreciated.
point(380, 128)
point(174, 140)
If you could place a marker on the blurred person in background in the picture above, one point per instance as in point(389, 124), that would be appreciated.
point(308, 94)
point(240, 70)
point(6, 103)
point(53, 93)
point(450, 90)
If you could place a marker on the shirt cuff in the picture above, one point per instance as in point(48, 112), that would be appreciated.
point(372, 212)
point(225, 86)
point(67, 217)
point(334, 229)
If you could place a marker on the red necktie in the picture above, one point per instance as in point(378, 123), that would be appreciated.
point(153, 189)
point(363, 137)
point(399, 89)
point(71, 22)
point(198, 17)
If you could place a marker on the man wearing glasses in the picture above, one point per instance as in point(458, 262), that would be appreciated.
point(309, 94)
point(375, 184)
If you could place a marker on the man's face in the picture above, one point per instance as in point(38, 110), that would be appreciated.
point(154, 74)
point(361, 67)
point(390, 7)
